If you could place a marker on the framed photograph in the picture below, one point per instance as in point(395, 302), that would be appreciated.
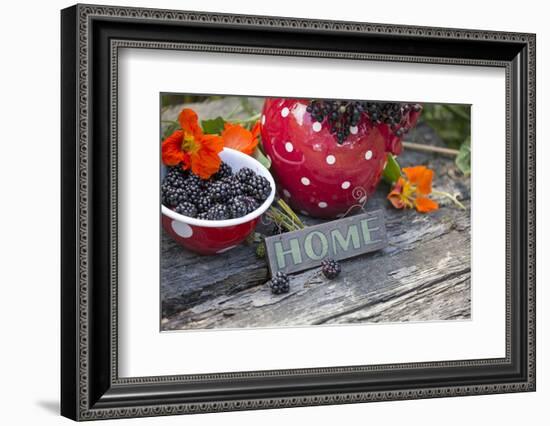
point(263, 212)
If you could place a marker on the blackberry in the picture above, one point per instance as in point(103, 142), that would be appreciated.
point(193, 188)
point(245, 174)
point(395, 115)
point(172, 196)
point(175, 176)
point(331, 268)
point(250, 203)
point(259, 188)
point(220, 192)
point(193, 195)
point(193, 181)
point(206, 185)
point(218, 212)
point(187, 209)
point(236, 187)
point(224, 196)
point(238, 208)
point(171, 189)
point(204, 203)
point(280, 283)
point(224, 171)
point(341, 115)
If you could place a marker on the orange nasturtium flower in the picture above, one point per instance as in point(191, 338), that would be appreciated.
point(192, 148)
point(237, 137)
point(413, 190)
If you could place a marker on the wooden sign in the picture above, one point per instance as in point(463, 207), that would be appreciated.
point(338, 239)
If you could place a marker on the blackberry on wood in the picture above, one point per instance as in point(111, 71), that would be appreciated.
point(331, 268)
point(280, 283)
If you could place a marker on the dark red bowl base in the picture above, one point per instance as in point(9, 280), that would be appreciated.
point(208, 241)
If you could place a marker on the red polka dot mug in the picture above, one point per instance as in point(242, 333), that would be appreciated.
point(315, 174)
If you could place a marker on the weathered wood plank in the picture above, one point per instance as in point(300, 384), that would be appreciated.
point(371, 286)
point(421, 266)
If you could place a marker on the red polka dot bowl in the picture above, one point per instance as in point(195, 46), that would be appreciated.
point(218, 236)
point(316, 175)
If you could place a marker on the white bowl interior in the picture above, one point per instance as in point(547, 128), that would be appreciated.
point(237, 160)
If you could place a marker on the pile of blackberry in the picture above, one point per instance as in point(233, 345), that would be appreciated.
point(226, 195)
point(341, 115)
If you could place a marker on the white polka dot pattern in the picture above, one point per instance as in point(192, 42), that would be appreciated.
point(331, 159)
point(368, 155)
point(346, 184)
point(305, 181)
point(182, 229)
point(289, 147)
point(317, 126)
point(284, 112)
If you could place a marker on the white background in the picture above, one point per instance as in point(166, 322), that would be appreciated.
point(29, 172)
point(146, 352)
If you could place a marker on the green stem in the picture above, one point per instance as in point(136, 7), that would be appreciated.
point(233, 112)
point(282, 219)
point(245, 104)
point(451, 197)
point(290, 213)
point(246, 120)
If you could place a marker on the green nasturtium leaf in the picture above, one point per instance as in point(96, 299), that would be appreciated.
point(463, 158)
point(392, 171)
point(259, 155)
point(214, 126)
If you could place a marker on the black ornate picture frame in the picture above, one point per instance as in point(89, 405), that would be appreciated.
point(91, 37)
